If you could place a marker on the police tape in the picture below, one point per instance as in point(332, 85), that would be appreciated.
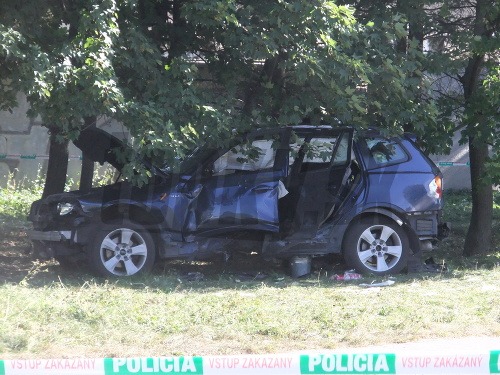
point(322, 362)
point(46, 157)
point(452, 164)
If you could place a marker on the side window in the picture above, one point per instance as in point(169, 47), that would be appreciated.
point(317, 150)
point(254, 156)
point(342, 155)
point(384, 151)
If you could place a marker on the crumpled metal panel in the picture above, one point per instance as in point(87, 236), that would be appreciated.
point(220, 205)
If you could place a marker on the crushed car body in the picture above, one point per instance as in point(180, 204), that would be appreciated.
point(297, 191)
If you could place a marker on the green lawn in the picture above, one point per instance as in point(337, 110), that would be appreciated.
point(46, 312)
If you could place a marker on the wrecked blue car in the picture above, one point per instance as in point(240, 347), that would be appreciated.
point(294, 193)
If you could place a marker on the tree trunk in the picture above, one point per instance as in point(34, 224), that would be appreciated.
point(478, 239)
point(178, 29)
point(87, 173)
point(270, 72)
point(58, 165)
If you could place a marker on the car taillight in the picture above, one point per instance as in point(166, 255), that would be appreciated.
point(436, 188)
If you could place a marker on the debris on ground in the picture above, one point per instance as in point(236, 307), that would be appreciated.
point(348, 275)
point(431, 266)
point(381, 284)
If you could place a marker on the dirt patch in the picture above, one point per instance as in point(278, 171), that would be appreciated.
point(15, 262)
point(242, 267)
point(18, 265)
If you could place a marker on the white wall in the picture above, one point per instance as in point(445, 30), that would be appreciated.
point(456, 176)
point(20, 135)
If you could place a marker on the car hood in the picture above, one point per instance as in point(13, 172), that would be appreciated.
point(101, 146)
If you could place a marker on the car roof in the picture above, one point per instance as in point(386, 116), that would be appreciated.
point(319, 127)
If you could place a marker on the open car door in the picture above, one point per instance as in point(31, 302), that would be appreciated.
point(319, 162)
point(240, 188)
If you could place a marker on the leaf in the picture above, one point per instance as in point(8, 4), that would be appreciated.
point(268, 85)
point(400, 29)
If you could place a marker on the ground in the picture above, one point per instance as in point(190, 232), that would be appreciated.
point(244, 306)
point(17, 263)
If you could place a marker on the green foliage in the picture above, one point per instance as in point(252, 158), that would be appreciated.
point(9, 53)
point(15, 201)
point(65, 67)
point(452, 50)
point(491, 92)
point(467, 70)
point(458, 207)
point(180, 72)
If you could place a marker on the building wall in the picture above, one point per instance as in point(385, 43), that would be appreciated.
point(24, 147)
point(456, 172)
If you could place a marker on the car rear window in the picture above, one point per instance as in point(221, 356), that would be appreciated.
point(384, 151)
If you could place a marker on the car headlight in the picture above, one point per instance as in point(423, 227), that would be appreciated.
point(65, 208)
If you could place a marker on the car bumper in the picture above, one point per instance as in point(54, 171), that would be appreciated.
point(52, 236)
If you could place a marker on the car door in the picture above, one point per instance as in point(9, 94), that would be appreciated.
point(319, 169)
point(240, 188)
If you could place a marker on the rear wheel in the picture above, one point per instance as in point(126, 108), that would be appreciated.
point(122, 249)
point(376, 245)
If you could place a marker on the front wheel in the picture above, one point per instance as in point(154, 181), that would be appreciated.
point(376, 245)
point(122, 249)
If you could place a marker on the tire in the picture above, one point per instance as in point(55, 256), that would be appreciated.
point(122, 249)
point(376, 245)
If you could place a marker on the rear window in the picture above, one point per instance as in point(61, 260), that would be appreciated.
point(382, 151)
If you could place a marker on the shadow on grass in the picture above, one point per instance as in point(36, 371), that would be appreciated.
point(244, 272)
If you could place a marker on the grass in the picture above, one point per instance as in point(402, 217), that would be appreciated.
point(99, 319)
point(457, 211)
point(46, 312)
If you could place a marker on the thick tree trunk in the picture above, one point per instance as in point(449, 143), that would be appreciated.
point(270, 72)
point(478, 239)
point(87, 173)
point(58, 165)
point(178, 29)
